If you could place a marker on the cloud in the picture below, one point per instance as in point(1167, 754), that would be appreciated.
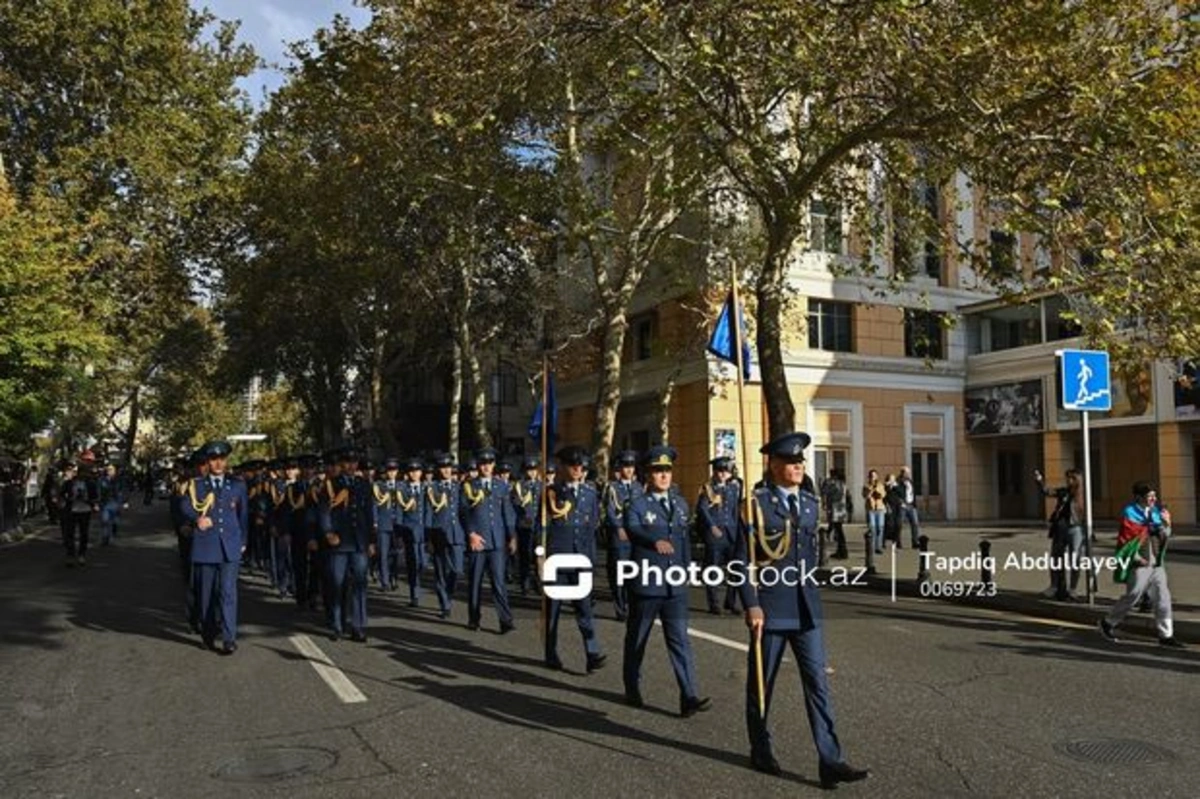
point(270, 25)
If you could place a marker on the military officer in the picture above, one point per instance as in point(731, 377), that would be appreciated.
point(486, 515)
point(288, 526)
point(295, 518)
point(324, 468)
point(410, 503)
point(657, 523)
point(572, 522)
point(387, 518)
point(348, 526)
point(717, 509)
point(617, 496)
point(445, 531)
point(527, 502)
point(218, 508)
point(786, 611)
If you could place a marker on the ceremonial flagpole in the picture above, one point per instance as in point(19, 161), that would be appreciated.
point(545, 486)
point(737, 348)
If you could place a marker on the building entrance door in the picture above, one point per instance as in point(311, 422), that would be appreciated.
point(929, 476)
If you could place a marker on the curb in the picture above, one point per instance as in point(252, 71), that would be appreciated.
point(1026, 604)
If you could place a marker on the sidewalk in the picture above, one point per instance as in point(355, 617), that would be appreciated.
point(955, 560)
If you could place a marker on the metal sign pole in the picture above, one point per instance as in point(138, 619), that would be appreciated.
point(1087, 503)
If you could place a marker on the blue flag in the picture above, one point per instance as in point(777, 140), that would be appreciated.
point(535, 424)
point(723, 342)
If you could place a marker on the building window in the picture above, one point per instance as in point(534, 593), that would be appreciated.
point(923, 334)
point(502, 389)
point(932, 261)
point(829, 326)
point(1002, 254)
point(825, 227)
point(643, 338)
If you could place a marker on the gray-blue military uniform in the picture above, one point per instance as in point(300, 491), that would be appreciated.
point(618, 495)
point(217, 552)
point(717, 509)
point(572, 521)
point(445, 534)
point(792, 613)
point(527, 502)
point(486, 510)
point(652, 519)
point(387, 519)
point(348, 525)
point(410, 500)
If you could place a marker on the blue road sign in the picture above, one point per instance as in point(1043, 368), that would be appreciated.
point(1086, 380)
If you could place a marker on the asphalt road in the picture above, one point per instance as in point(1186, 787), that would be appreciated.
point(104, 693)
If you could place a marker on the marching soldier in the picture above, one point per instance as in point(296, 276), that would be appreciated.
point(296, 512)
point(410, 502)
point(445, 531)
point(572, 521)
point(788, 612)
point(527, 501)
point(348, 526)
point(218, 508)
point(617, 497)
point(657, 523)
point(387, 519)
point(717, 509)
point(486, 514)
point(287, 525)
point(324, 468)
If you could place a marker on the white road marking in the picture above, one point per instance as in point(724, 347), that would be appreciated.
point(337, 681)
point(716, 639)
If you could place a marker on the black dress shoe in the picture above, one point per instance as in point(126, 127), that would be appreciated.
point(335, 635)
point(693, 705)
point(507, 627)
point(596, 662)
point(358, 636)
point(1171, 643)
point(832, 774)
point(473, 626)
point(228, 648)
point(634, 699)
point(208, 643)
point(766, 763)
point(443, 614)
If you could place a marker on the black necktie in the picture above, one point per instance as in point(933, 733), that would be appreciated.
point(794, 509)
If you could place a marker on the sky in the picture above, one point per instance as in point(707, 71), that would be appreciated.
point(269, 25)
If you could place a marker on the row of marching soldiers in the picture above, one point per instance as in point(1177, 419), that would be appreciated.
point(315, 526)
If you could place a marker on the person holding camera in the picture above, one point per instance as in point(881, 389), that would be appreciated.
point(1066, 532)
point(1141, 542)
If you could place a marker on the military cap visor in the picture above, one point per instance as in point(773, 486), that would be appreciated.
point(391, 464)
point(414, 465)
point(788, 447)
point(486, 455)
point(216, 449)
point(529, 463)
point(660, 458)
point(627, 458)
point(573, 456)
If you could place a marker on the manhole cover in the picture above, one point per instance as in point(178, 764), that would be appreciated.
point(277, 763)
point(1115, 752)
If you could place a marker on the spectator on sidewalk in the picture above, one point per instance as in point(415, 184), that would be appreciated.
point(835, 501)
point(1145, 530)
point(32, 491)
point(893, 498)
point(908, 508)
point(79, 497)
point(1065, 533)
point(873, 500)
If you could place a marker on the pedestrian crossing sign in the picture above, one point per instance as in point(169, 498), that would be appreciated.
point(1085, 381)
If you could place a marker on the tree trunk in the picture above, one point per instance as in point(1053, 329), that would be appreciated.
point(474, 374)
point(135, 408)
point(781, 412)
point(608, 396)
point(664, 408)
point(456, 396)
